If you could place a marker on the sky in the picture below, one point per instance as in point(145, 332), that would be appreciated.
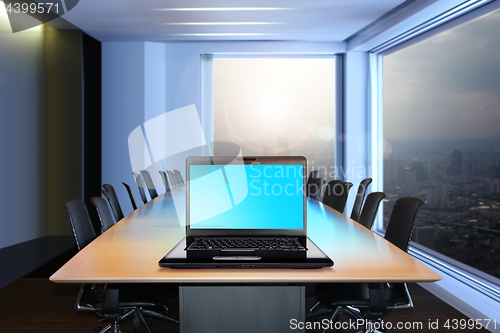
point(447, 86)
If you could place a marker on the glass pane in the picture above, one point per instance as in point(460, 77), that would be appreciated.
point(442, 127)
point(280, 106)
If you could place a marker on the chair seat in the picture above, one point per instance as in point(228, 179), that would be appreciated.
point(357, 295)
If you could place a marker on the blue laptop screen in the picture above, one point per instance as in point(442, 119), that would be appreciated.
point(255, 196)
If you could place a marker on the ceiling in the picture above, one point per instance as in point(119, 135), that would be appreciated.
point(302, 20)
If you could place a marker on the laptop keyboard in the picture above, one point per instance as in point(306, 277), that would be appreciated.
point(244, 243)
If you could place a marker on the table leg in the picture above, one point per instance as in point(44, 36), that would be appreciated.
point(206, 309)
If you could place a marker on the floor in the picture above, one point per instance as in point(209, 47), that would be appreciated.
point(34, 304)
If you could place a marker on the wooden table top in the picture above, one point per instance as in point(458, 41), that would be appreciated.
point(130, 250)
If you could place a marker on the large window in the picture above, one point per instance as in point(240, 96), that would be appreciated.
point(442, 127)
point(277, 106)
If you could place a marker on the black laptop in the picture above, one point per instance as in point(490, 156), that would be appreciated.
point(246, 212)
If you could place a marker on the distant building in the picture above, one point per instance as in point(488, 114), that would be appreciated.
point(430, 170)
point(419, 167)
point(455, 163)
point(436, 196)
point(410, 177)
point(495, 186)
point(425, 236)
point(391, 166)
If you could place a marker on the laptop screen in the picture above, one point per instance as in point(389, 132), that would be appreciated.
point(246, 196)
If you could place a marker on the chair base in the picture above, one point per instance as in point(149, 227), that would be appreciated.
point(139, 322)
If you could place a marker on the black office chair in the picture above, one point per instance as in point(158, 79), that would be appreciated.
point(313, 174)
point(163, 175)
point(141, 186)
point(370, 209)
point(92, 298)
point(149, 184)
point(315, 187)
point(104, 213)
point(174, 182)
point(332, 189)
point(115, 303)
point(336, 193)
point(130, 195)
point(179, 177)
point(360, 197)
point(110, 194)
point(373, 300)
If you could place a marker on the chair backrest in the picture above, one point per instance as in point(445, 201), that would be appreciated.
point(141, 186)
point(401, 223)
point(315, 187)
point(179, 177)
point(104, 213)
point(332, 189)
point(360, 197)
point(149, 184)
point(110, 194)
point(163, 175)
point(313, 174)
point(130, 195)
point(370, 209)
point(173, 179)
point(337, 194)
point(80, 222)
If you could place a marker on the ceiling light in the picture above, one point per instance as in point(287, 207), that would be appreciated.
point(223, 8)
point(222, 34)
point(221, 23)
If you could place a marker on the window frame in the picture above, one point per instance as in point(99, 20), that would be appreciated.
point(481, 290)
point(206, 91)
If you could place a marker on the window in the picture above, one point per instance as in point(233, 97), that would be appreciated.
point(277, 106)
point(442, 131)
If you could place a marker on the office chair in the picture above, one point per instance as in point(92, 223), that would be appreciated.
point(360, 196)
point(315, 187)
point(130, 195)
point(110, 194)
point(179, 177)
point(371, 301)
point(336, 193)
point(90, 297)
point(370, 208)
point(332, 189)
point(104, 213)
point(140, 186)
point(118, 303)
point(174, 183)
point(149, 184)
point(165, 180)
point(313, 174)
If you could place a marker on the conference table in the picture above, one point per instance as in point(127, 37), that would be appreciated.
point(224, 300)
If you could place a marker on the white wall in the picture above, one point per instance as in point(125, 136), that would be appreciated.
point(123, 109)
point(22, 139)
point(356, 166)
point(144, 80)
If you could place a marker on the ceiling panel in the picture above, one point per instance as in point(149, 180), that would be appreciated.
point(321, 20)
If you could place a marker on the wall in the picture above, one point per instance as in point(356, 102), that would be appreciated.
point(22, 128)
point(40, 142)
point(64, 126)
point(123, 109)
point(132, 74)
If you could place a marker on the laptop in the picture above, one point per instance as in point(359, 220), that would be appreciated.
point(246, 212)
